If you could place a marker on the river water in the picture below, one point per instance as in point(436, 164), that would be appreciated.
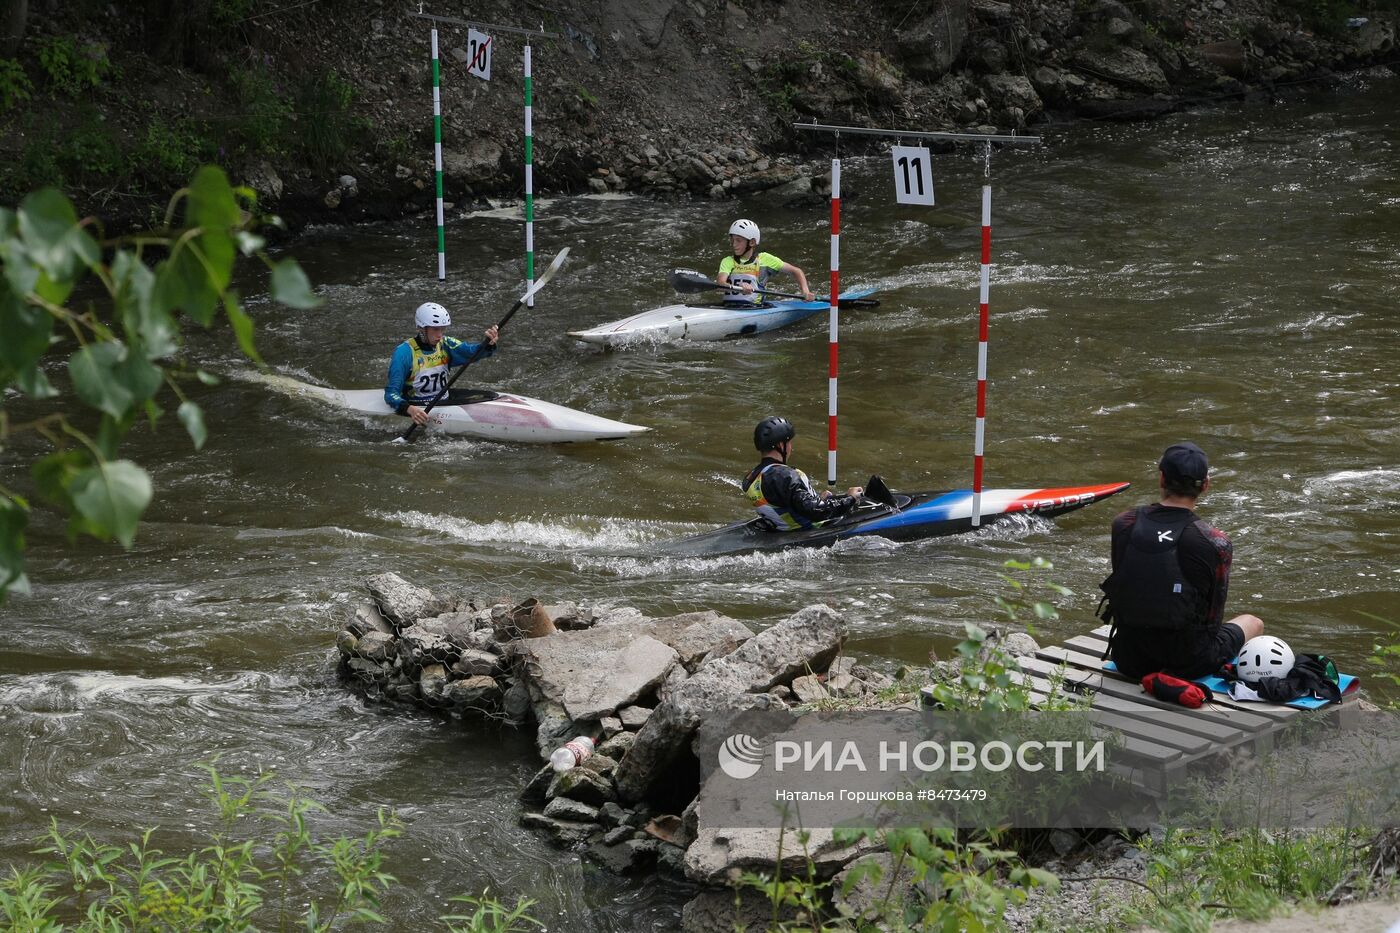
point(1228, 276)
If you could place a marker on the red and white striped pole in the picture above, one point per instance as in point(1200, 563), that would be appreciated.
point(983, 315)
point(835, 291)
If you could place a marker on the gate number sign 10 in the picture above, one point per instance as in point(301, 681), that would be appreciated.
point(479, 54)
point(913, 175)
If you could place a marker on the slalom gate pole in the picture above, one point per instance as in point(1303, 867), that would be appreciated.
point(437, 159)
point(529, 181)
point(835, 311)
point(982, 314)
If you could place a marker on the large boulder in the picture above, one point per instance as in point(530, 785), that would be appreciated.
point(459, 628)
point(696, 635)
point(719, 856)
point(1124, 66)
point(402, 603)
point(928, 48)
point(418, 647)
point(481, 693)
point(479, 160)
point(366, 618)
point(807, 640)
point(594, 671)
point(718, 910)
point(583, 785)
point(1013, 91)
point(376, 646)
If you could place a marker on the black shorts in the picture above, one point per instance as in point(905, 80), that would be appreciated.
point(1138, 654)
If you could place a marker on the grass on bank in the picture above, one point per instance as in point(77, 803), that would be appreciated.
point(262, 868)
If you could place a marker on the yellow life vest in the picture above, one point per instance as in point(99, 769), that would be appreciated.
point(781, 519)
point(429, 373)
point(751, 271)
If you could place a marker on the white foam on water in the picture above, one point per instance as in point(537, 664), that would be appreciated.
point(561, 532)
point(1319, 321)
point(1374, 480)
point(77, 692)
point(736, 567)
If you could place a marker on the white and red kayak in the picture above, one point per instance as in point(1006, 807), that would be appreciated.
point(496, 416)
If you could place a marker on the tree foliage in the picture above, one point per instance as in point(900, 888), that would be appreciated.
point(123, 350)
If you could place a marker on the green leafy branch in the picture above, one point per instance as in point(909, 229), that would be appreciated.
point(123, 349)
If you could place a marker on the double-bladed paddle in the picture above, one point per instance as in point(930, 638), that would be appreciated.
point(482, 348)
point(690, 282)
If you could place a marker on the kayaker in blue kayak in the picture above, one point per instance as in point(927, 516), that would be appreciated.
point(748, 269)
point(783, 495)
point(419, 368)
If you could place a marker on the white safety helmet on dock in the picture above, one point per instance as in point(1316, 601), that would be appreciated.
point(744, 228)
point(1264, 656)
point(432, 314)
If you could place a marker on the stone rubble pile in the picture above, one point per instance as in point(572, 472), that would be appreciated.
point(641, 687)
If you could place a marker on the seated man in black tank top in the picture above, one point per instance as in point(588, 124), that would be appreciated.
point(1171, 575)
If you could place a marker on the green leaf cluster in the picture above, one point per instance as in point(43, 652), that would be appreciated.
point(938, 879)
point(119, 354)
point(15, 85)
point(73, 69)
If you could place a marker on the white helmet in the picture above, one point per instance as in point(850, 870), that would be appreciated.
point(1264, 656)
point(744, 228)
point(432, 314)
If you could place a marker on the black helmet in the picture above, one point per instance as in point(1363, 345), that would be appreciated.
point(771, 432)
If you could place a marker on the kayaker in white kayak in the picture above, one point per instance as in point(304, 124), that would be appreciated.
point(420, 366)
point(749, 269)
point(783, 495)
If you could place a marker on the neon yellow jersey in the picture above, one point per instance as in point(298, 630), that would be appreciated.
point(755, 271)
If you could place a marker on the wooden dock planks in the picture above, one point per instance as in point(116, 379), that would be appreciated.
point(1160, 738)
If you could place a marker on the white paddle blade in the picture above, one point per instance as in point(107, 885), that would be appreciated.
point(548, 274)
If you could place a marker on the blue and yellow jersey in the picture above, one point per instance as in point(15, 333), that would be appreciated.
point(416, 375)
point(756, 271)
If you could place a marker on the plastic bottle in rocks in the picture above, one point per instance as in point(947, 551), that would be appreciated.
point(571, 753)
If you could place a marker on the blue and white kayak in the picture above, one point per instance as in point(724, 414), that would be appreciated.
point(706, 322)
point(905, 517)
point(495, 416)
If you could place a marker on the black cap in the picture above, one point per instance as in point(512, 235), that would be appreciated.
point(1185, 462)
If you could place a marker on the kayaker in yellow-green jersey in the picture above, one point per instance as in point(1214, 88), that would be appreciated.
point(748, 269)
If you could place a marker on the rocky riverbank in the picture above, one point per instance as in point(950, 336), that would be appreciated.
point(640, 687)
point(325, 109)
point(653, 692)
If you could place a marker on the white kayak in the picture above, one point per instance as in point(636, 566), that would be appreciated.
point(705, 322)
point(497, 416)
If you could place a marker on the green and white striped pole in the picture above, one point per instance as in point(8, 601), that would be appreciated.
point(437, 159)
point(529, 183)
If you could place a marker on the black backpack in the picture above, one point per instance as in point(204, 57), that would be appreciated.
point(1148, 589)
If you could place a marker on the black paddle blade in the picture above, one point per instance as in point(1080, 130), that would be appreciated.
point(690, 282)
point(877, 491)
point(858, 302)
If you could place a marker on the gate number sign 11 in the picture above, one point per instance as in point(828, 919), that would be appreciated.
point(913, 175)
point(479, 54)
